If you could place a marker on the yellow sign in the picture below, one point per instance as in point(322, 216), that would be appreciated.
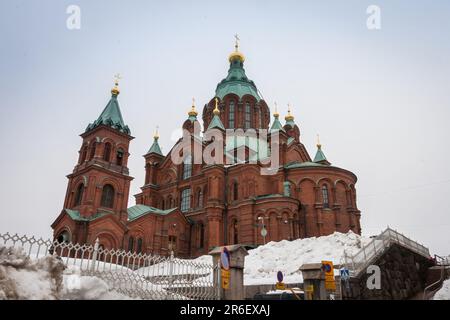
point(309, 288)
point(225, 276)
point(330, 285)
point(280, 286)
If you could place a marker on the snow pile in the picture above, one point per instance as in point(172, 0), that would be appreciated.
point(444, 292)
point(47, 278)
point(263, 263)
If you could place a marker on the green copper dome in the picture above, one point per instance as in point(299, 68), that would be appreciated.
point(111, 117)
point(237, 82)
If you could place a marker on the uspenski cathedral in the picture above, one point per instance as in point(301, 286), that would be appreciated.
point(192, 206)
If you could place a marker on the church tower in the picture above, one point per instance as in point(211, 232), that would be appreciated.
point(100, 182)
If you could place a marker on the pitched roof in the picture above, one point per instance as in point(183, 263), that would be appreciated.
point(276, 125)
point(155, 148)
point(140, 210)
point(76, 216)
point(111, 116)
point(320, 156)
point(216, 123)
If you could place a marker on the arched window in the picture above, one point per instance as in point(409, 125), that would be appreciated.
point(107, 152)
point(185, 200)
point(235, 190)
point(235, 232)
point(139, 245)
point(202, 236)
point(93, 147)
point(187, 167)
point(63, 237)
point(200, 199)
point(131, 244)
point(84, 154)
point(79, 195)
point(325, 199)
point(231, 115)
point(120, 154)
point(107, 196)
point(248, 116)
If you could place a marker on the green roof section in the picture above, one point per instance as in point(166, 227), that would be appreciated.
point(276, 125)
point(305, 164)
point(216, 123)
point(237, 82)
point(140, 210)
point(111, 117)
point(155, 148)
point(76, 216)
point(320, 156)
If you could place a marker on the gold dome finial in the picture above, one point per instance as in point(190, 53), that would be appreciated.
point(193, 112)
point(216, 110)
point(236, 55)
point(318, 142)
point(289, 116)
point(156, 135)
point(115, 91)
point(276, 114)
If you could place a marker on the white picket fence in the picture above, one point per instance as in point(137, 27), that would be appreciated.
point(136, 275)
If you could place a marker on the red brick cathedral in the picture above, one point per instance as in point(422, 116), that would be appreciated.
point(193, 207)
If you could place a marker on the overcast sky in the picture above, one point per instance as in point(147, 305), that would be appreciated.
point(380, 99)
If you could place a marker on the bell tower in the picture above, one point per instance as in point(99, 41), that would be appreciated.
point(100, 181)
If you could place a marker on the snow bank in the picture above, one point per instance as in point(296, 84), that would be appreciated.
point(47, 278)
point(444, 292)
point(263, 263)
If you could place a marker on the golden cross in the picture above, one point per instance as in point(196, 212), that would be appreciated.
point(193, 101)
point(117, 77)
point(236, 41)
point(217, 103)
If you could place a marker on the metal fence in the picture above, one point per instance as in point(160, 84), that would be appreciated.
point(377, 246)
point(136, 275)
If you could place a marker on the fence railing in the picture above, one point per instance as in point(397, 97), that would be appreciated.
point(377, 246)
point(137, 275)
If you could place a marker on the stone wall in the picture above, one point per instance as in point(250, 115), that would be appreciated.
point(403, 275)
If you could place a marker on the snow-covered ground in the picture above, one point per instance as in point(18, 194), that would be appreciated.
point(444, 292)
point(263, 263)
point(47, 278)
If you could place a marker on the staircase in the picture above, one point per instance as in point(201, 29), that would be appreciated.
point(375, 248)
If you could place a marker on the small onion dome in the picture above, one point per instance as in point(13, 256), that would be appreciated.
point(115, 91)
point(236, 55)
point(193, 112)
point(289, 116)
point(156, 135)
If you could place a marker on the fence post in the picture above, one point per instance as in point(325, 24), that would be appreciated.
point(171, 271)
point(94, 255)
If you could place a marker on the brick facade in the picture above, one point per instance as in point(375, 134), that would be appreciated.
point(227, 203)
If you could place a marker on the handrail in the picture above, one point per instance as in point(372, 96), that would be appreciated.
point(373, 249)
point(441, 278)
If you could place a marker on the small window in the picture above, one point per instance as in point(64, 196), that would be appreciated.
point(235, 191)
point(200, 199)
point(259, 118)
point(107, 200)
point(107, 152)
point(187, 167)
point(131, 244)
point(235, 233)
point(231, 115)
point(202, 236)
point(248, 120)
point(185, 200)
point(139, 246)
point(120, 154)
point(79, 195)
point(93, 147)
point(325, 199)
point(84, 154)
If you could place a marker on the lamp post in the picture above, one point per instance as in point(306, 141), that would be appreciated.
point(263, 229)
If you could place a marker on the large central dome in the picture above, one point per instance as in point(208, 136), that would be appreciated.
point(237, 82)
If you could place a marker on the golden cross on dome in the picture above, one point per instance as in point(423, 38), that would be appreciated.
point(193, 101)
point(318, 142)
point(117, 77)
point(216, 110)
point(236, 45)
